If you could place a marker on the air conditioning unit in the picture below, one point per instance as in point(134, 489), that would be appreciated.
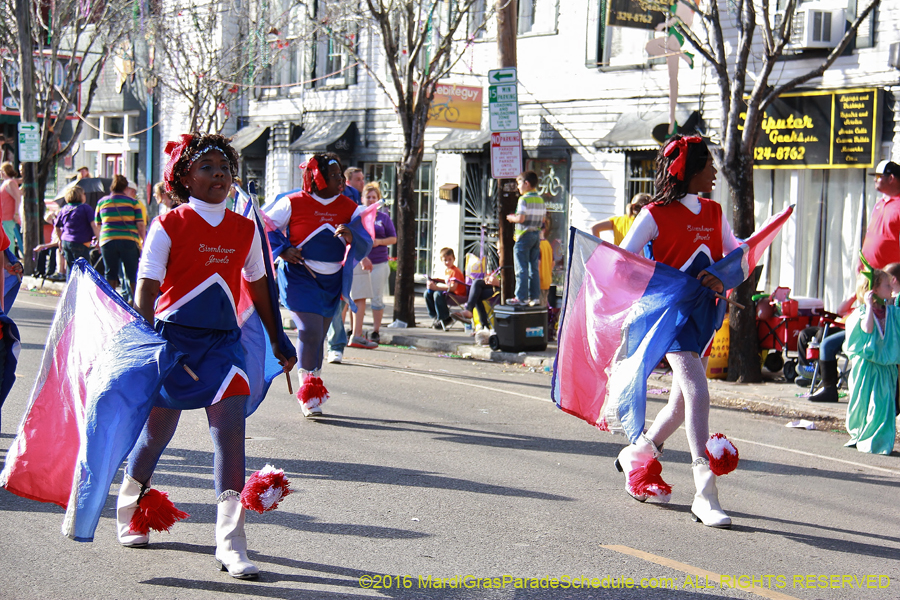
point(816, 27)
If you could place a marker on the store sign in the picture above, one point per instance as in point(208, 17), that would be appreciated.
point(11, 81)
point(820, 130)
point(638, 14)
point(456, 107)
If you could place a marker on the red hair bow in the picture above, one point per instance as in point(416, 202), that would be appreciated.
point(312, 171)
point(174, 150)
point(676, 169)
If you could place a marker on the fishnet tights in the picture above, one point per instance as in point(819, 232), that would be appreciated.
point(226, 427)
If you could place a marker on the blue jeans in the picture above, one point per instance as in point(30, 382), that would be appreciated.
point(527, 258)
point(125, 252)
point(830, 346)
point(337, 335)
point(73, 251)
point(437, 305)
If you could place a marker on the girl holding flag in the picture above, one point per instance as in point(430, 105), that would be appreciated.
point(189, 283)
point(688, 233)
point(315, 226)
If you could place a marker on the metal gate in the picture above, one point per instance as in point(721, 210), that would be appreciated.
point(479, 220)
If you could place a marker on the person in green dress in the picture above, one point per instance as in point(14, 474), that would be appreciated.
point(873, 345)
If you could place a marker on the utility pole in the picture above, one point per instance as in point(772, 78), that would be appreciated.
point(27, 113)
point(507, 195)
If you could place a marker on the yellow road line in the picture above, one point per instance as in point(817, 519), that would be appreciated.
point(697, 572)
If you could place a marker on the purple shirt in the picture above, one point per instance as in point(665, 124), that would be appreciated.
point(384, 228)
point(74, 222)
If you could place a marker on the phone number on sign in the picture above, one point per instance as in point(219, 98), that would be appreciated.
point(782, 153)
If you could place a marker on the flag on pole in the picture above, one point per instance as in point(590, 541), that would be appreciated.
point(621, 313)
point(262, 366)
point(102, 368)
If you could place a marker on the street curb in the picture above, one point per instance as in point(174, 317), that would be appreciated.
point(470, 351)
point(32, 283)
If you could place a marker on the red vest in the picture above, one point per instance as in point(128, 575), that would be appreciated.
point(683, 235)
point(309, 216)
point(203, 277)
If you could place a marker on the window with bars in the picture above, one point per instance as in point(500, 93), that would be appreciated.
point(640, 175)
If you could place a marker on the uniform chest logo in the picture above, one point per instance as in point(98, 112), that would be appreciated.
point(217, 254)
point(700, 233)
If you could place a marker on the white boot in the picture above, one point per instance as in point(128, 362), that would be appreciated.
point(312, 393)
point(129, 494)
point(706, 508)
point(231, 543)
point(636, 456)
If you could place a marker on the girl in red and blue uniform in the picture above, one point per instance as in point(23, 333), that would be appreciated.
point(315, 227)
point(689, 233)
point(195, 259)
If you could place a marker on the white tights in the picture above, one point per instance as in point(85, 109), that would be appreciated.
point(688, 403)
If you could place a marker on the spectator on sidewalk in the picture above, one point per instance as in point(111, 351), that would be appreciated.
point(354, 180)
point(10, 199)
point(370, 278)
point(119, 228)
point(528, 218)
point(74, 227)
point(453, 282)
point(881, 247)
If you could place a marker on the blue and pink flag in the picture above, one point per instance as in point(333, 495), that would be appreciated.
point(621, 313)
point(102, 368)
point(262, 366)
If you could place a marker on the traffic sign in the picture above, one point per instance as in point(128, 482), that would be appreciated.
point(506, 154)
point(29, 141)
point(507, 75)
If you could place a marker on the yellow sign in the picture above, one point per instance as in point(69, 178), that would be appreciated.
point(456, 107)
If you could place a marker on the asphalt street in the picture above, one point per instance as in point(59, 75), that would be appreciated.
point(431, 477)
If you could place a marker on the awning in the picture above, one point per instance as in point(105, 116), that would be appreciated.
point(462, 140)
point(246, 136)
point(327, 136)
point(634, 129)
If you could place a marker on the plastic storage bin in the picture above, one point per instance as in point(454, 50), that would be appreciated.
point(521, 328)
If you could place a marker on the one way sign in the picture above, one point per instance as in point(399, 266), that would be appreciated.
point(506, 75)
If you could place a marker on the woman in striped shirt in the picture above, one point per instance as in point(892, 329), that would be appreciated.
point(119, 226)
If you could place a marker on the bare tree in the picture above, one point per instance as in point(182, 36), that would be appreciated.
point(420, 43)
point(754, 21)
point(66, 45)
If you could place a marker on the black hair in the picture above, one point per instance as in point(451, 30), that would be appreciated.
point(179, 193)
point(670, 188)
point(322, 161)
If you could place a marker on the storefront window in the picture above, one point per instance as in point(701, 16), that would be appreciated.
point(553, 186)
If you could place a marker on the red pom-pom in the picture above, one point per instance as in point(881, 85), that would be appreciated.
point(312, 393)
point(155, 511)
point(645, 480)
point(265, 489)
point(723, 456)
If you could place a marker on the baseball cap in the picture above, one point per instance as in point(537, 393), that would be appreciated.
point(887, 167)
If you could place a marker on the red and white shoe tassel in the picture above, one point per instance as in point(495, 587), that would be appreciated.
point(646, 480)
point(312, 392)
point(265, 489)
point(155, 511)
point(723, 456)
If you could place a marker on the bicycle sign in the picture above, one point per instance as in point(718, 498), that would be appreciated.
point(455, 106)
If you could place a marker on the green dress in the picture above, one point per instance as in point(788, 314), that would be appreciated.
point(873, 381)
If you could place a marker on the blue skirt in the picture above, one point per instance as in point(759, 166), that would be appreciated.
point(212, 354)
point(299, 291)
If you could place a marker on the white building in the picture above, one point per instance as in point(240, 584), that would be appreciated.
point(589, 99)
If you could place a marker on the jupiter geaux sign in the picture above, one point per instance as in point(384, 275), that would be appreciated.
point(834, 129)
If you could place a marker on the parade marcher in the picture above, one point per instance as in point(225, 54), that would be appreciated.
point(873, 345)
point(188, 283)
point(319, 222)
point(684, 170)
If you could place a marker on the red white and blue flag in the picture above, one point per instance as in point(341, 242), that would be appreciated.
point(621, 312)
point(262, 366)
point(102, 368)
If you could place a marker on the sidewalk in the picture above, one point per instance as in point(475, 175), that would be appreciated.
point(770, 397)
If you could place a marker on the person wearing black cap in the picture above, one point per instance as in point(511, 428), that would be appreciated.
point(881, 247)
